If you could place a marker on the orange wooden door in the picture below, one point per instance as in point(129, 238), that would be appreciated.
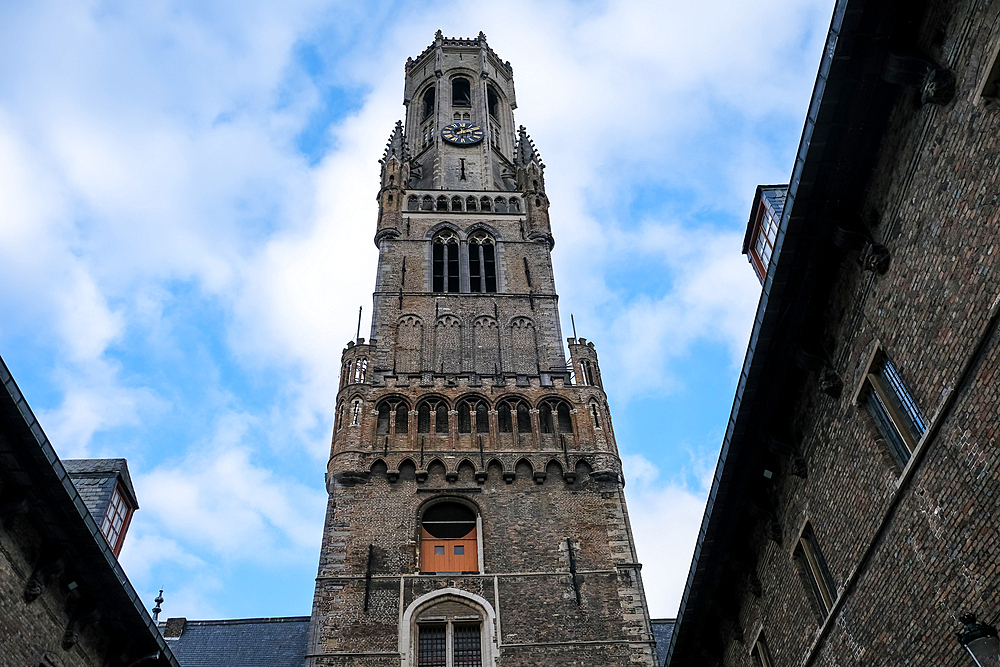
point(456, 555)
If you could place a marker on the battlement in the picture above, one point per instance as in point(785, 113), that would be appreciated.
point(468, 42)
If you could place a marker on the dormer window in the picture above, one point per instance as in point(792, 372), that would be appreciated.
point(762, 229)
point(461, 92)
point(116, 519)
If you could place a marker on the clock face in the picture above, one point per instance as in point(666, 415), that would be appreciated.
point(462, 133)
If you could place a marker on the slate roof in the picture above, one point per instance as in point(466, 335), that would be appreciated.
point(244, 642)
point(94, 479)
point(662, 629)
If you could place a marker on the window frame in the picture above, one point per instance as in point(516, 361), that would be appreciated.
point(768, 235)
point(890, 404)
point(429, 540)
point(814, 566)
point(115, 535)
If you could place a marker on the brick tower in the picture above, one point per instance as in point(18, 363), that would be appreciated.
point(476, 512)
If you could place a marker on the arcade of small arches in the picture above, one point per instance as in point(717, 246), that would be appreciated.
point(473, 414)
point(508, 467)
point(468, 204)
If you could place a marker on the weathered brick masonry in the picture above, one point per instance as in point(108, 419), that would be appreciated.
point(910, 546)
point(463, 398)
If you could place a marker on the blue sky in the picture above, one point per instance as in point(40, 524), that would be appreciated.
point(187, 205)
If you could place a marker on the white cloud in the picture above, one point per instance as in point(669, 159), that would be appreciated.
point(665, 519)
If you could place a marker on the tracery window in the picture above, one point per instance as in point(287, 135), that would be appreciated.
point(482, 263)
point(471, 204)
point(456, 203)
point(554, 417)
point(432, 410)
point(427, 203)
point(473, 416)
point(486, 204)
point(412, 203)
point(513, 413)
point(445, 262)
point(500, 205)
point(393, 417)
point(442, 203)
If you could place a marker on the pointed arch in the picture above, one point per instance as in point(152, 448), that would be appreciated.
point(409, 344)
point(448, 345)
point(523, 346)
point(486, 346)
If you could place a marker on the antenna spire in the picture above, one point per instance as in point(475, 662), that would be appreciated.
point(358, 334)
point(156, 610)
point(574, 324)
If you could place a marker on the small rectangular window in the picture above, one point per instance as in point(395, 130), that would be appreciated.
point(432, 646)
point(811, 560)
point(990, 89)
point(439, 551)
point(893, 409)
point(460, 550)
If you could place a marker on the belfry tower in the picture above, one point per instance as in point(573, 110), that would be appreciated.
point(476, 512)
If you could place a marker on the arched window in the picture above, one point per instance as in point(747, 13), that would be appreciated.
point(461, 92)
point(515, 205)
point(356, 412)
point(500, 205)
point(445, 264)
point(554, 417)
point(486, 204)
point(442, 203)
point(473, 416)
point(360, 370)
point(448, 633)
point(433, 409)
point(412, 203)
point(493, 102)
point(428, 102)
point(393, 417)
point(482, 263)
point(456, 203)
point(594, 415)
point(448, 539)
point(427, 203)
point(514, 416)
point(470, 204)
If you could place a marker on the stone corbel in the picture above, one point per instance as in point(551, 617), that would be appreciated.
point(874, 257)
point(935, 83)
point(769, 519)
point(787, 450)
point(86, 613)
point(830, 381)
point(48, 566)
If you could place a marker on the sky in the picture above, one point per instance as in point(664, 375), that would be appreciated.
point(187, 207)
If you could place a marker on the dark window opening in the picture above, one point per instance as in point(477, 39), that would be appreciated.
point(523, 419)
point(482, 419)
point(470, 204)
point(896, 414)
point(452, 267)
point(482, 264)
point(427, 204)
point(424, 418)
point(382, 425)
point(486, 205)
point(441, 419)
point(412, 203)
point(464, 418)
point(456, 203)
point(545, 418)
point(824, 588)
point(442, 203)
point(489, 268)
point(449, 521)
point(493, 102)
point(468, 646)
point(515, 205)
point(475, 277)
point(461, 92)
point(444, 269)
point(503, 419)
point(500, 205)
point(438, 267)
point(428, 102)
point(593, 413)
point(431, 646)
point(565, 422)
point(402, 418)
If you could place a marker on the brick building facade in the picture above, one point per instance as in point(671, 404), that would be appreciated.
point(476, 512)
point(852, 519)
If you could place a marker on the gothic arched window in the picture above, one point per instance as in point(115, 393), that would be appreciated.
point(433, 409)
point(513, 414)
point(470, 204)
point(356, 412)
point(461, 92)
point(427, 203)
point(473, 416)
point(493, 102)
point(445, 264)
point(393, 417)
point(456, 203)
point(482, 263)
point(486, 204)
point(428, 106)
point(515, 205)
point(500, 205)
point(412, 203)
point(442, 203)
point(554, 417)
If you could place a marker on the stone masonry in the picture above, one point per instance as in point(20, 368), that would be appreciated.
point(463, 393)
